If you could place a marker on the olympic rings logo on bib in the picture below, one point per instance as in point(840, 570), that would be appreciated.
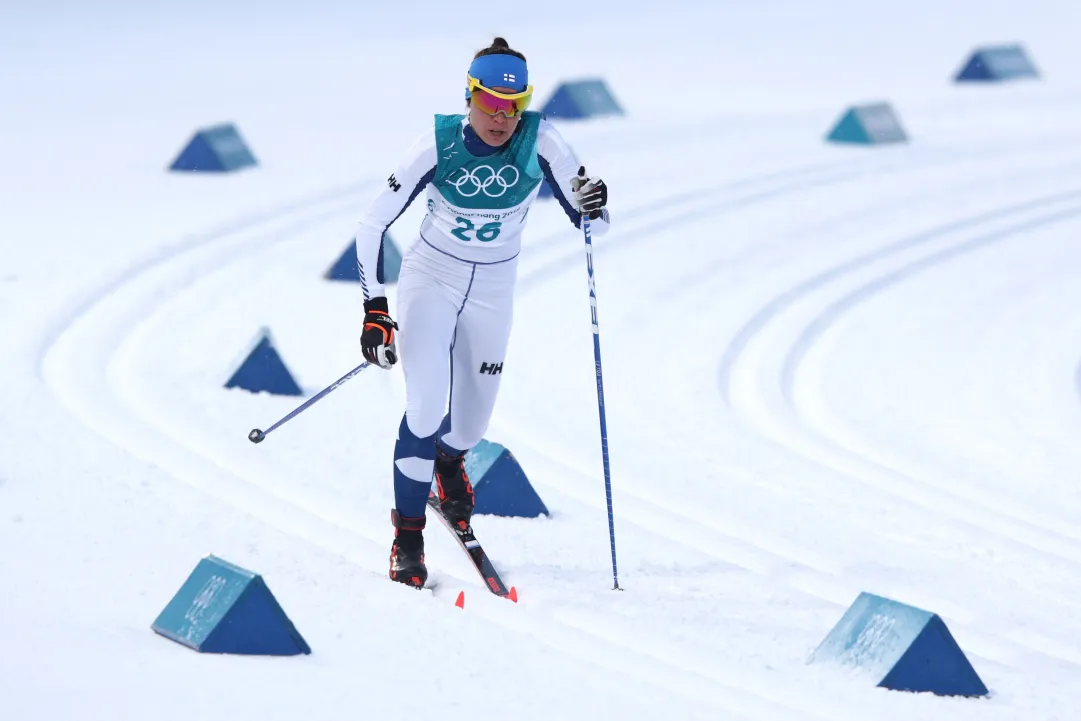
point(483, 178)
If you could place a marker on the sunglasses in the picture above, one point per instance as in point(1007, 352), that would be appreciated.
point(493, 102)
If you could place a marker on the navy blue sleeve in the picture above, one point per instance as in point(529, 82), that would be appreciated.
point(557, 191)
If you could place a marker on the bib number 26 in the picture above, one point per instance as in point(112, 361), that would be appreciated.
point(485, 233)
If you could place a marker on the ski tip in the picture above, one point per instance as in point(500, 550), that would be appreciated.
point(460, 603)
point(513, 595)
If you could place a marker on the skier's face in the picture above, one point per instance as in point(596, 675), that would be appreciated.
point(495, 130)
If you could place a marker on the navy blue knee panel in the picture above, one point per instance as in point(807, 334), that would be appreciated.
point(417, 457)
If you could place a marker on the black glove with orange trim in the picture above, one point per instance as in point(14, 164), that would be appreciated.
point(377, 341)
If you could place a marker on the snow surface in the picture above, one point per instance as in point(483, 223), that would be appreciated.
point(828, 370)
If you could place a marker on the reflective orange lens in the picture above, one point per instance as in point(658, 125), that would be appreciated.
point(494, 104)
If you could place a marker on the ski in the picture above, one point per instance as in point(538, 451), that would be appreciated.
point(469, 543)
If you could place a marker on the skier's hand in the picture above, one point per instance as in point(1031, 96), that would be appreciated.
point(377, 341)
point(590, 194)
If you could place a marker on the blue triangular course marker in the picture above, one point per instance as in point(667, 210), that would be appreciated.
point(500, 486)
point(263, 370)
point(997, 63)
point(975, 70)
point(872, 124)
point(903, 648)
point(217, 149)
point(345, 267)
point(580, 99)
point(223, 608)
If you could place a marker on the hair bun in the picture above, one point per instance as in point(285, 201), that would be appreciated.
point(499, 46)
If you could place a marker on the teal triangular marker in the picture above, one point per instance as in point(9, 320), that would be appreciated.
point(849, 130)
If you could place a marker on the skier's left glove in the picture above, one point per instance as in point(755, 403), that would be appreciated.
point(377, 341)
point(590, 194)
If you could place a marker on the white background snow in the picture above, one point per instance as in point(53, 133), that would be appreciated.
point(828, 370)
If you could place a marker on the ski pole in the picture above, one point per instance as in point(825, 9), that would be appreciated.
point(257, 436)
point(600, 396)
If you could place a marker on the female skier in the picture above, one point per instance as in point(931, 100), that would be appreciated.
point(481, 172)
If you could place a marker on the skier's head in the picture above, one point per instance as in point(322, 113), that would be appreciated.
point(497, 91)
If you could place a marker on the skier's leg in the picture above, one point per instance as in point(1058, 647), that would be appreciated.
point(477, 367)
point(427, 315)
point(480, 346)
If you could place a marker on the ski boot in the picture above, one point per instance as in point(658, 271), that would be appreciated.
point(407, 552)
point(455, 490)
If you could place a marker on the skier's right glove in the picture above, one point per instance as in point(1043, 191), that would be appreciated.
point(377, 341)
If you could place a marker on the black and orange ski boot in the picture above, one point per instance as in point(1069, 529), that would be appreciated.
point(407, 552)
point(455, 490)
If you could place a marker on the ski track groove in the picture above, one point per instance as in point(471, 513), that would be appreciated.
point(806, 177)
point(791, 296)
point(819, 584)
point(705, 273)
point(813, 330)
point(87, 300)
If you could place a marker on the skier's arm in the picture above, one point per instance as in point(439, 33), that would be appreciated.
point(560, 167)
point(407, 181)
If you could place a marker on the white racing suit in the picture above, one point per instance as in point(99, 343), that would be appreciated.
point(456, 286)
